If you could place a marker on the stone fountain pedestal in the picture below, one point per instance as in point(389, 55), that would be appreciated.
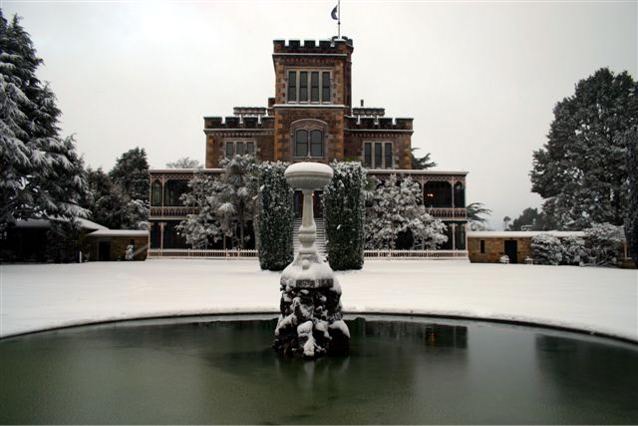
point(311, 323)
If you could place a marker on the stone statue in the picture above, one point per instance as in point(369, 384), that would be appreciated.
point(311, 323)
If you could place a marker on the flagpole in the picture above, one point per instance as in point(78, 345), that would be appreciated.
point(339, 19)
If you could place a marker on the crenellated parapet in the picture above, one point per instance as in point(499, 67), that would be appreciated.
point(334, 46)
point(257, 122)
point(363, 123)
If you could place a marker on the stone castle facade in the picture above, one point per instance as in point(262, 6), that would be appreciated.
point(310, 118)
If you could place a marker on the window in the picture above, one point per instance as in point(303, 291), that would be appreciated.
point(387, 151)
point(378, 155)
point(314, 86)
point(316, 143)
point(303, 86)
point(482, 246)
point(325, 86)
point(367, 155)
point(301, 143)
point(309, 86)
point(156, 194)
point(239, 148)
point(308, 143)
point(292, 86)
point(173, 190)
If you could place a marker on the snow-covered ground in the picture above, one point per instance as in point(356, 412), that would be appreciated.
point(34, 297)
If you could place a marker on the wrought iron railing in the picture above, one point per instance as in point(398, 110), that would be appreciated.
point(172, 211)
point(448, 212)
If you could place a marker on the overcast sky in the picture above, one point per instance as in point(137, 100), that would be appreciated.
point(479, 78)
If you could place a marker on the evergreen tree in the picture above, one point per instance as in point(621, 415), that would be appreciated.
point(184, 163)
point(34, 157)
point(581, 170)
point(344, 208)
point(631, 221)
point(396, 208)
point(533, 219)
point(276, 217)
point(477, 216)
point(131, 173)
point(421, 163)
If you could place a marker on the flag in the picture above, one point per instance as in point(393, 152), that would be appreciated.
point(334, 13)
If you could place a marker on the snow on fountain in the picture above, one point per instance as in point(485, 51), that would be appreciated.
point(311, 323)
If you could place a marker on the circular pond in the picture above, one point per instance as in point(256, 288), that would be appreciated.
point(400, 370)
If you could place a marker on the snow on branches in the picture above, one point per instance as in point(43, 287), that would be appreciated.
point(395, 209)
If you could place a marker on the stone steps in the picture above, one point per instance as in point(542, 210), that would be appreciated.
point(320, 242)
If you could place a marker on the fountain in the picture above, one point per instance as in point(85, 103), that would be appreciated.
point(311, 323)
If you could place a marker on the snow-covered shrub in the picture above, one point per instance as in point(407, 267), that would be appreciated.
point(547, 249)
point(395, 209)
point(201, 228)
point(574, 252)
point(276, 217)
point(604, 242)
point(343, 202)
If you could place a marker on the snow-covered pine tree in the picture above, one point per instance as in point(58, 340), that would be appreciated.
point(396, 208)
point(547, 249)
point(201, 228)
point(15, 156)
point(275, 218)
point(581, 170)
point(631, 221)
point(603, 242)
point(32, 188)
point(343, 210)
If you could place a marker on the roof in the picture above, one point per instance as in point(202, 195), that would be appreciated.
point(522, 234)
point(119, 233)
point(46, 223)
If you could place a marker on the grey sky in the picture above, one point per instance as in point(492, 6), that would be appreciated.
point(479, 78)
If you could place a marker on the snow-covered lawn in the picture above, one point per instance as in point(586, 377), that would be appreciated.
point(34, 297)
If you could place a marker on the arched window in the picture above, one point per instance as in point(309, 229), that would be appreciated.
point(309, 143)
point(459, 195)
point(156, 194)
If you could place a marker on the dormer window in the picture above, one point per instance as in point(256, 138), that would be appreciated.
point(309, 86)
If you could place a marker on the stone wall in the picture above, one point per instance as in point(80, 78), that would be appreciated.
point(495, 248)
point(118, 246)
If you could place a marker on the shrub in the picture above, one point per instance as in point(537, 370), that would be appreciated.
point(276, 217)
point(343, 202)
point(547, 249)
point(574, 252)
point(604, 242)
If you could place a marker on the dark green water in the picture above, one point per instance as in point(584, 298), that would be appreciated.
point(401, 370)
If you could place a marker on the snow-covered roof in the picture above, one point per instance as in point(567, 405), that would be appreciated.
point(119, 233)
point(46, 223)
point(522, 234)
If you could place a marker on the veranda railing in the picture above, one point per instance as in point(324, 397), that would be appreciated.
point(374, 254)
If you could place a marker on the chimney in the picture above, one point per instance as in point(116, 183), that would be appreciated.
point(361, 103)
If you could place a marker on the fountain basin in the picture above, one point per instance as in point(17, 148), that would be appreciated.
point(403, 370)
point(308, 176)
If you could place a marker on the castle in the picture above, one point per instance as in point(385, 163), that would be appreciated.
point(310, 118)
